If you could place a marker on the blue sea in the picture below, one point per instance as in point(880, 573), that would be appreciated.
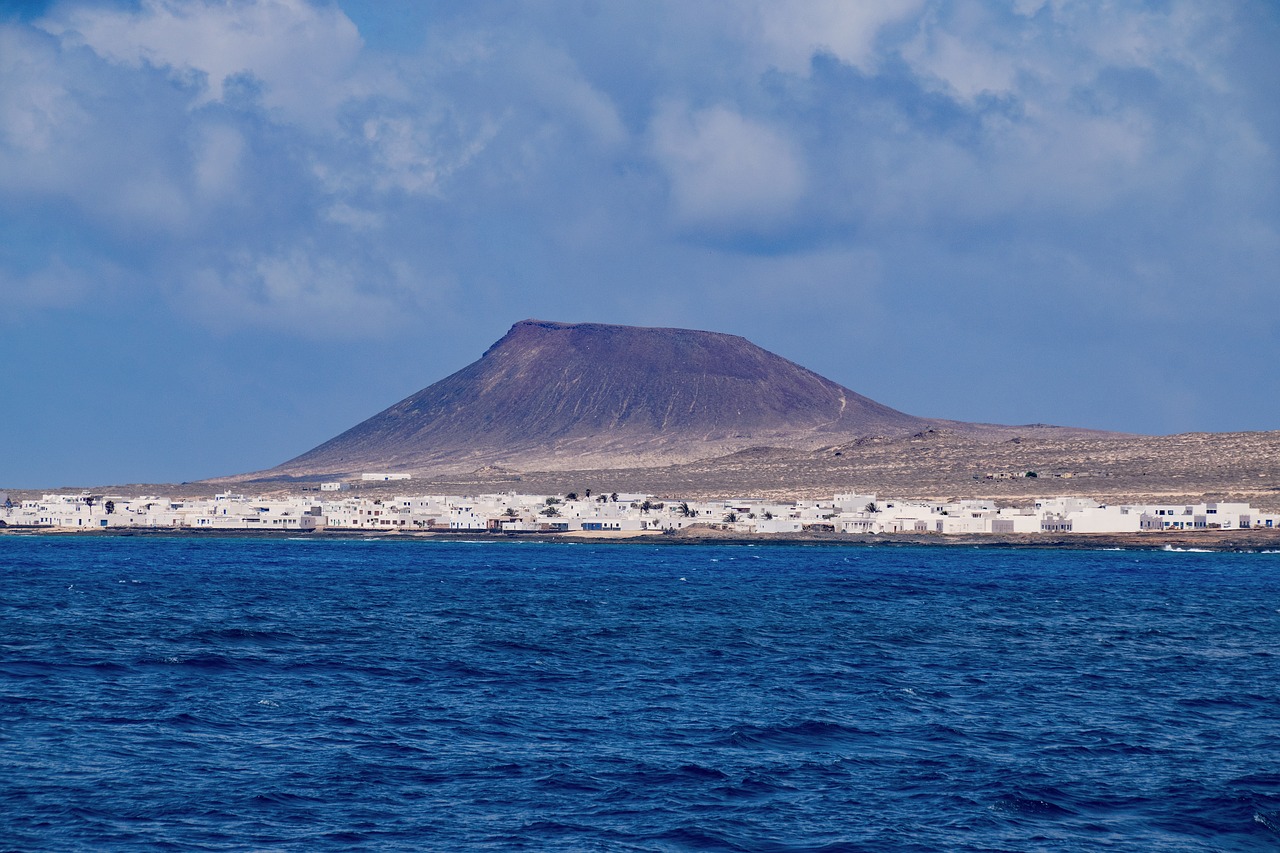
point(179, 693)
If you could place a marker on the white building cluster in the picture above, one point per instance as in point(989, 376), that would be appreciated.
point(514, 513)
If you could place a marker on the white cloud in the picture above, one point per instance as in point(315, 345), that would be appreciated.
point(790, 32)
point(302, 54)
point(971, 49)
point(558, 84)
point(353, 217)
point(417, 153)
point(36, 108)
point(514, 148)
point(66, 137)
point(727, 171)
point(299, 291)
point(219, 152)
point(967, 68)
point(34, 104)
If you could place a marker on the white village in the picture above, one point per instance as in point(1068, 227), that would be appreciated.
point(612, 515)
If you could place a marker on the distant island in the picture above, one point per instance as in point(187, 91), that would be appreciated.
point(554, 408)
point(557, 396)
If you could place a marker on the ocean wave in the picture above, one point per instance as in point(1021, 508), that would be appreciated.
point(254, 695)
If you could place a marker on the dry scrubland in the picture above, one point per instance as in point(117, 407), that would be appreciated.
point(931, 464)
point(936, 464)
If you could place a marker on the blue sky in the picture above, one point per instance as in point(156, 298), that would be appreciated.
point(230, 230)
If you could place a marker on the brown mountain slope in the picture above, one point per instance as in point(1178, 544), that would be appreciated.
point(557, 395)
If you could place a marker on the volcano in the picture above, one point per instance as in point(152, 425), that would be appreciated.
point(557, 396)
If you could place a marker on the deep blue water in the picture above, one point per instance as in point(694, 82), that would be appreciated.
point(224, 694)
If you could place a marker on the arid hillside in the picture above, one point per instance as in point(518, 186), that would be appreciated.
point(929, 464)
point(558, 407)
point(558, 395)
point(938, 464)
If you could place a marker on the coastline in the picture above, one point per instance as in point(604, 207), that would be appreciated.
point(1224, 541)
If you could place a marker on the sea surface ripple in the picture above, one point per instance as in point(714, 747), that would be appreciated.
point(230, 694)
